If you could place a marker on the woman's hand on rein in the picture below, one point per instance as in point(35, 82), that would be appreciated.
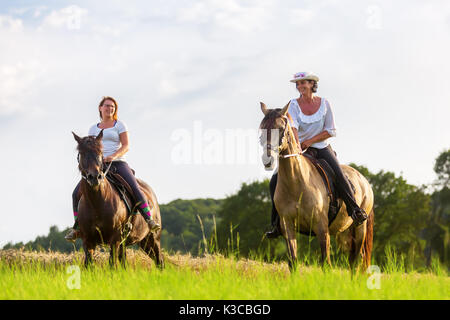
point(305, 144)
point(108, 159)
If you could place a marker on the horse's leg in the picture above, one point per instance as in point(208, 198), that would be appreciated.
point(88, 253)
point(323, 235)
point(146, 245)
point(113, 253)
point(153, 249)
point(158, 254)
point(344, 242)
point(352, 252)
point(354, 239)
point(288, 231)
point(123, 255)
point(359, 233)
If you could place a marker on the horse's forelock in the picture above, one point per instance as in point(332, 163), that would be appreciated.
point(90, 145)
point(270, 118)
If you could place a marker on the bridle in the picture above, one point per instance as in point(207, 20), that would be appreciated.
point(83, 173)
point(283, 142)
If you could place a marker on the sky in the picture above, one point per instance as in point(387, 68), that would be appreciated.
point(188, 77)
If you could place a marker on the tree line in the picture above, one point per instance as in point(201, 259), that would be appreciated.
point(413, 221)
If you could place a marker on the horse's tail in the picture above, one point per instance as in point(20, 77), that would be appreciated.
point(368, 240)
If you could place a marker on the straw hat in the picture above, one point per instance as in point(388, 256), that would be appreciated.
point(305, 76)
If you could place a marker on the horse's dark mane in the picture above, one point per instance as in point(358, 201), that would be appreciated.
point(90, 145)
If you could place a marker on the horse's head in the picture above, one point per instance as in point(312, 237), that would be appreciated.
point(90, 160)
point(274, 131)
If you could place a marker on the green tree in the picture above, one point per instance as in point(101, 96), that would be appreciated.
point(437, 233)
point(53, 241)
point(244, 217)
point(442, 169)
point(182, 224)
point(401, 213)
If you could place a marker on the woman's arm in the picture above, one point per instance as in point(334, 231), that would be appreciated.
point(122, 150)
point(307, 143)
point(296, 137)
point(317, 138)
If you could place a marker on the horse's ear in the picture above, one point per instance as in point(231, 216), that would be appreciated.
point(285, 109)
point(264, 108)
point(100, 135)
point(77, 138)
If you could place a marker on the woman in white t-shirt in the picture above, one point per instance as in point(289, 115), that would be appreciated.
point(115, 145)
point(313, 123)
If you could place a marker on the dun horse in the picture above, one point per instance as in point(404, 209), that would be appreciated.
point(301, 197)
point(102, 215)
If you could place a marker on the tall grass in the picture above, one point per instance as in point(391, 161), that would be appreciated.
point(308, 252)
point(217, 274)
point(44, 276)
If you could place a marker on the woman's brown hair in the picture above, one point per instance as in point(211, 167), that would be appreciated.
point(115, 104)
point(314, 87)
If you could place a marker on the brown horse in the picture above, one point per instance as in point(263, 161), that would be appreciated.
point(301, 197)
point(102, 215)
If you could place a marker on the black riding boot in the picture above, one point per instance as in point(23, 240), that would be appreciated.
point(358, 216)
point(343, 185)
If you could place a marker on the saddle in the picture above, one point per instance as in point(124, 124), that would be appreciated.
point(123, 189)
point(329, 178)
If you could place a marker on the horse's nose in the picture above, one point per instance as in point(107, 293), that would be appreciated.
point(268, 161)
point(94, 179)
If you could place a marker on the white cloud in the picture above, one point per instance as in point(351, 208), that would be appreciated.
point(37, 12)
point(10, 24)
point(227, 14)
point(16, 86)
point(301, 16)
point(70, 17)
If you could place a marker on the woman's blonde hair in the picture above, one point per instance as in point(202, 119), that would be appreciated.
point(115, 104)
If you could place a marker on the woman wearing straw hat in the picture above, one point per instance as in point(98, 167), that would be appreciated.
point(313, 123)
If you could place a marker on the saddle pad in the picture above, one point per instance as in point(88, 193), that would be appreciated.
point(123, 188)
point(329, 179)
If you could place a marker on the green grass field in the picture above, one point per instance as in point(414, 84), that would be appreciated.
point(48, 275)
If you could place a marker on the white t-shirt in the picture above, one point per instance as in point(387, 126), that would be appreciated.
point(111, 138)
point(309, 126)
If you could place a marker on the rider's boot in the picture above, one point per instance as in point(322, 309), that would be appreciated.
point(73, 233)
point(275, 232)
point(358, 216)
point(146, 213)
